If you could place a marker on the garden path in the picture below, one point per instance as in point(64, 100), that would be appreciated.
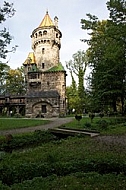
point(55, 122)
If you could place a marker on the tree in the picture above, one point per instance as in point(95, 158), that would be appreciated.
point(107, 47)
point(15, 84)
point(78, 66)
point(5, 38)
point(4, 68)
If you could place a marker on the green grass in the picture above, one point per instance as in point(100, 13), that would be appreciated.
point(8, 123)
point(106, 125)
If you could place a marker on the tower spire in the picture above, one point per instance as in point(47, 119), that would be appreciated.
point(46, 20)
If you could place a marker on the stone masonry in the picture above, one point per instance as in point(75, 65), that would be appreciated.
point(44, 74)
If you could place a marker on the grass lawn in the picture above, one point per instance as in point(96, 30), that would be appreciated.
point(13, 123)
point(106, 125)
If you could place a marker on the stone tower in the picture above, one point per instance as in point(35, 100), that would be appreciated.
point(44, 74)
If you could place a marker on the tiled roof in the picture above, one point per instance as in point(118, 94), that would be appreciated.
point(46, 21)
point(44, 94)
point(57, 68)
point(30, 59)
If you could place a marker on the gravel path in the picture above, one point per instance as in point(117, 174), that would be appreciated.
point(112, 139)
point(55, 122)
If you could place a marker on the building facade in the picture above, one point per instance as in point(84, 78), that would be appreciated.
point(44, 74)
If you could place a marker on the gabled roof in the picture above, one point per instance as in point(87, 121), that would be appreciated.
point(46, 21)
point(30, 59)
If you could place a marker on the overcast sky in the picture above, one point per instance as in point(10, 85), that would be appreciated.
point(29, 14)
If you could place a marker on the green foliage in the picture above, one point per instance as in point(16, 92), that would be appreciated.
point(78, 66)
point(71, 157)
point(71, 93)
point(15, 78)
point(101, 114)
point(114, 125)
point(5, 38)
point(87, 125)
point(79, 180)
point(103, 124)
point(55, 163)
point(91, 115)
point(32, 139)
point(4, 68)
point(106, 55)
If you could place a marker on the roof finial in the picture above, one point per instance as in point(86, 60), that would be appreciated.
point(47, 11)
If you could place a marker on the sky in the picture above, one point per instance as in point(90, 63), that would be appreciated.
point(29, 14)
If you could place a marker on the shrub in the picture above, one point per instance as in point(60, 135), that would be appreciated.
point(91, 115)
point(87, 125)
point(36, 138)
point(103, 124)
point(78, 117)
point(101, 114)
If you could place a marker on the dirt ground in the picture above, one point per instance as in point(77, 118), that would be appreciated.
point(109, 139)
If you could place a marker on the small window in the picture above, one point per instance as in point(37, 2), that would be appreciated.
point(43, 65)
point(44, 32)
point(63, 103)
point(56, 35)
point(40, 33)
point(43, 50)
point(33, 76)
point(44, 109)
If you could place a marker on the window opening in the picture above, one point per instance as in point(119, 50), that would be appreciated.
point(43, 65)
point(44, 32)
point(44, 109)
point(43, 50)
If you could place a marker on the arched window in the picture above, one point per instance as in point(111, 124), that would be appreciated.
point(44, 32)
point(40, 33)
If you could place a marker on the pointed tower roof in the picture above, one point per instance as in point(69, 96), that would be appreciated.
point(30, 59)
point(46, 21)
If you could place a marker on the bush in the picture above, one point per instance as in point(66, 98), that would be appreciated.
point(23, 141)
point(103, 124)
point(91, 115)
point(101, 114)
point(11, 174)
point(87, 125)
